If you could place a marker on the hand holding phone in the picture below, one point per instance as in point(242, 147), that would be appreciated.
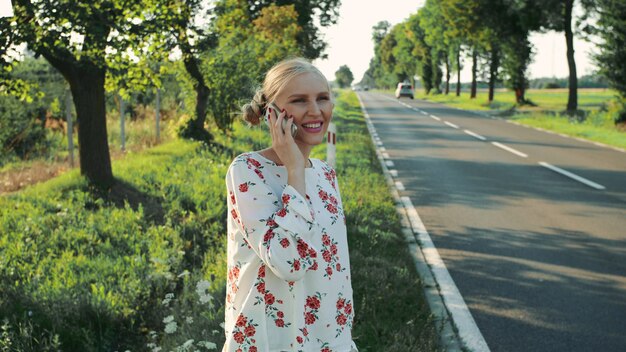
point(276, 109)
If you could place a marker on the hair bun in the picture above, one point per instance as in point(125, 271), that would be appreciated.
point(253, 111)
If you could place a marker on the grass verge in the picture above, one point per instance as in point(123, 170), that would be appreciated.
point(142, 266)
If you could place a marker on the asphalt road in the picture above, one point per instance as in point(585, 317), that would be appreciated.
point(539, 257)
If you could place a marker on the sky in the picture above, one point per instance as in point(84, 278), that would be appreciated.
point(5, 8)
point(350, 41)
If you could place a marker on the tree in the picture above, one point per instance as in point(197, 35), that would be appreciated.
point(343, 76)
point(558, 16)
point(309, 12)
point(245, 51)
point(79, 39)
point(611, 29)
point(421, 50)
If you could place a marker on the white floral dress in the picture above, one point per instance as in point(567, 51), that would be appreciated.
point(288, 268)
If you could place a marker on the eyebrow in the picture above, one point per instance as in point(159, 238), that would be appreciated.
point(305, 95)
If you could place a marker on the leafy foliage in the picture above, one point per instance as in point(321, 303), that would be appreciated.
point(344, 77)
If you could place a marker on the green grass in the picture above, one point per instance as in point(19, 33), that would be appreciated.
point(89, 270)
point(545, 99)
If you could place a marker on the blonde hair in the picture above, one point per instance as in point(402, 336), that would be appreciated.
point(275, 80)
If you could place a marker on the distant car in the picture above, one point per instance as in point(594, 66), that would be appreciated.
point(404, 90)
point(356, 88)
point(366, 88)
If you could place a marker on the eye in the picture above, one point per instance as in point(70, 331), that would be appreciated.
point(299, 100)
point(324, 98)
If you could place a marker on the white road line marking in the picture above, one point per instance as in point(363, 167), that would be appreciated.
point(435, 117)
point(424, 112)
point(399, 186)
point(386, 155)
point(475, 135)
point(462, 317)
point(451, 124)
point(509, 149)
point(393, 172)
point(389, 163)
point(571, 175)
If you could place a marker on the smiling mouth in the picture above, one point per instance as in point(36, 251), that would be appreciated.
point(312, 125)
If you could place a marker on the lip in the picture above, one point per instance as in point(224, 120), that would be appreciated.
point(313, 130)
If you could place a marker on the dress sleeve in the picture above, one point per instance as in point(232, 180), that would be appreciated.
point(278, 229)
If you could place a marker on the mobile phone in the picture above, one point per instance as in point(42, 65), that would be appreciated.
point(294, 128)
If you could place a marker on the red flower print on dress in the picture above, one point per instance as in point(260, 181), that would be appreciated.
point(331, 204)
point(286, 199)
point(244, 331)
point(233, 201)
point(329, 253)
point(253, 162)
point(271, 223)
point(284, 242)
point(311, 306)
point(309, 318)
point(303, 249)
point(325, 349)
point(249, 330)
point(269, 299)
point(241, 320)
point(299, 339)
point(342, 319)
point(282, 212)
point(313, 302)
point(280, 323)
point(259, 173)
point(296, 265)
point(260, 287)
point(253, 349)
point(239, 337)
point(327, 256)
point(268, 236)
point(344, 314)
point(243, 187)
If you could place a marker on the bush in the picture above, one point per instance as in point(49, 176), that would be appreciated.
point(22, 135)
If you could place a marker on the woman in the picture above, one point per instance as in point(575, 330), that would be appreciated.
point(288, 269)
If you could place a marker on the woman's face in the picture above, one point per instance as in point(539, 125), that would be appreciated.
point(307, 99)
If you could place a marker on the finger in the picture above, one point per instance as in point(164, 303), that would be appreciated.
point(288, 135)
point(279, 122)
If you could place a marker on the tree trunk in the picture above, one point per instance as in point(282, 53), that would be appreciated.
point(474, 69)
point(493, 71)
point(572, 100)
point(447, 75)
point(202, 91)
point(87, 85)
point(458, 72)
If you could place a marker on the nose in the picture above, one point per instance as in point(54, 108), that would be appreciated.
point(314, 108)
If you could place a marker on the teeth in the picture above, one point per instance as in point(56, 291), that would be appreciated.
point(315, 125)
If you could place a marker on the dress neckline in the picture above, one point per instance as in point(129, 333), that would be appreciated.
point(280, 165)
